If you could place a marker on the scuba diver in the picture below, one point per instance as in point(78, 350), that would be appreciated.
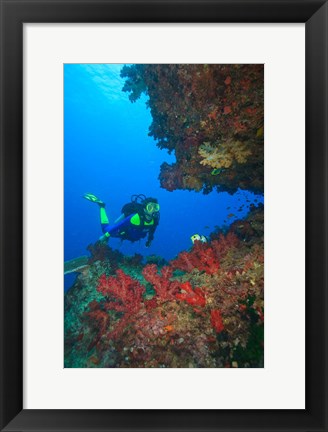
point(139, 218)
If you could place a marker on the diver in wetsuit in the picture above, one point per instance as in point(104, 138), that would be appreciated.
point(139, 218)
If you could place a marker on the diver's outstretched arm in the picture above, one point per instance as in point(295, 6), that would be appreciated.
point(152, 232)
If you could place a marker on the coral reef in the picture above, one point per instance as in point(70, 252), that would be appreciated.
point(202, 257)
point(194, 297)
point(211, 116)
point(216, 321)
point(205, 308)
point(123, 294)
point(223, 155)
point(165, 289)
point(156, 259)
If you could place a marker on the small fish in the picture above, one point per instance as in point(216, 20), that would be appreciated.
point(230, 215)
point(198, 237)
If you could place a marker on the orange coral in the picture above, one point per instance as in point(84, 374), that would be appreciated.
point(223, 155)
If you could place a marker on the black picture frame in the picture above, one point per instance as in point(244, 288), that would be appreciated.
point(314, 13)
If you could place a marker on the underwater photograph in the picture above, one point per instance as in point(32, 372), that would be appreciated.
point(163, 215)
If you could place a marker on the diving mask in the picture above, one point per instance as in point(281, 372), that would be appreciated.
point(152, 207)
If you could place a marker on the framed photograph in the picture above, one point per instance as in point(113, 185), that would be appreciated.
point(163, 215)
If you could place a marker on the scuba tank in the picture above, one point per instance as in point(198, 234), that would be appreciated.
point(135, 206)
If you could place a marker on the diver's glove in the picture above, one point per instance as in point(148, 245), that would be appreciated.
point(148, 243)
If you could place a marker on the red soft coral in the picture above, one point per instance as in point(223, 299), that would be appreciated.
point(216, 321)
point(208, 260)
point(165, 288)
point(185, 262)
point(127, 293)
point(224, 243)
point(194, 297)
point(99, 320)
point(202, 257)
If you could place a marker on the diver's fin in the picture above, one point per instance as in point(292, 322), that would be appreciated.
point(93, 198)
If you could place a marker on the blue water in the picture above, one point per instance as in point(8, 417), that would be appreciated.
point(107, 152)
